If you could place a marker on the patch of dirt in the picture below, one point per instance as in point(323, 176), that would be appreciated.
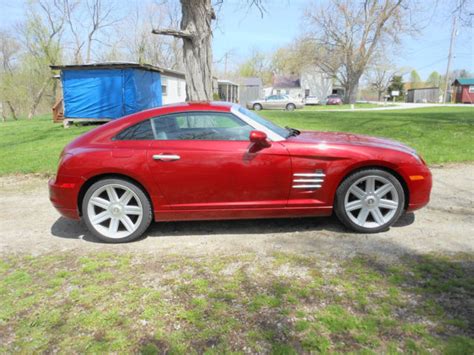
point(29, 224)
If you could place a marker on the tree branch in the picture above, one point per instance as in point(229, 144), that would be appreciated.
point(174, 33)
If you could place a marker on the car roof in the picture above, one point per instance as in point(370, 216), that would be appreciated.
point(104, 132)
point(185, 106)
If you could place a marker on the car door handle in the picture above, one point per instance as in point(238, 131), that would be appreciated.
point(166, 157)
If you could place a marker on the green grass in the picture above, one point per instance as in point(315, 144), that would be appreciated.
point(34, 146)
point(440, 134)
point(284, 304)
point(341, 107)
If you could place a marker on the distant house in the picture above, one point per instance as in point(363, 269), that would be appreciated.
point(431, 94)
point(315, 83)
point(463, 90)
point(105, 91)
point(311, 82)
point(286, 85)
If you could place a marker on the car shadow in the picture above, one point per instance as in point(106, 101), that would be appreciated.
point(69, 229)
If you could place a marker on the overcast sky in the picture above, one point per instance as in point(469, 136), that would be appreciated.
point(240, 30)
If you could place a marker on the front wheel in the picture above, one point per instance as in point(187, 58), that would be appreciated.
point(257, 107)
point(116, 210)
point(369, 201)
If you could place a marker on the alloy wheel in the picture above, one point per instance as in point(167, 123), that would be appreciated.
point(115, 211)
point(371, 201)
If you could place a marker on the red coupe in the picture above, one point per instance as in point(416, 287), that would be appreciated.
point(209, 161)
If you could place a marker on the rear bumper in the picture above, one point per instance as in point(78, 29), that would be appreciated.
point(63, 194)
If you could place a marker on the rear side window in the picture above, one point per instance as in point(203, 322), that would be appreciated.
point(200, 126)
point(137, 132)
point(189, 126)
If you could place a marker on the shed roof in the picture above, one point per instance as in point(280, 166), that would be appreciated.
point(226, 82)
point(119, 65)
point(286, 81)
point(427, 88)
point(251, 81)
point(464, 81)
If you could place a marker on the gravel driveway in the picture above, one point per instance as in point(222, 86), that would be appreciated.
point(29, 224)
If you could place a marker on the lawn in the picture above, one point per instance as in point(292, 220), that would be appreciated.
point(342, 107)
point(33, 146)
point(440, 134)
point(281, 303)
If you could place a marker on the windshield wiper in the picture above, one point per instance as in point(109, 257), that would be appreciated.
point(292, 131)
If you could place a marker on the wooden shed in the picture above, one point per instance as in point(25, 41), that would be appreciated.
point(463, 91)
point(423, 95)
point(107, 91)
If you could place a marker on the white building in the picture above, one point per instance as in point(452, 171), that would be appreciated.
point(311, 82)
point(173, 86)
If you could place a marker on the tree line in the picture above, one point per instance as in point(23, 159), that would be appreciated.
point(54, 32)
point(352, 42)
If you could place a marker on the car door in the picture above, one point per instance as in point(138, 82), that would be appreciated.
point(204, 160)
point(270, 102)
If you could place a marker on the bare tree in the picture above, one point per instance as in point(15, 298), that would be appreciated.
point(100, 14)
point(70, 9)
point(140, 45)
point(42, 33)
point(380, 75)
point(348, 33)
point(9, 48)
point(196, 34)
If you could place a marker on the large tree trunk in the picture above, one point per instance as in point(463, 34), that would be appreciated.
point(379, 95)
point(351, 88)
point(350, 94)
point(196, 33)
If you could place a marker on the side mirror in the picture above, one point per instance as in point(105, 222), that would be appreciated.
point(259, 139)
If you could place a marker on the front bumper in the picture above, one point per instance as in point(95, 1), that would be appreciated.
point(63, 195)
point(419, 182)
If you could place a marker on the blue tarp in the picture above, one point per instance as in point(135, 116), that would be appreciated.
point(109, 93)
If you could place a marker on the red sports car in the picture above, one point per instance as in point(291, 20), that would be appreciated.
point(209, 161)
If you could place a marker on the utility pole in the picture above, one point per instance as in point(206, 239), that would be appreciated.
point(450, 55)
point(226, 55)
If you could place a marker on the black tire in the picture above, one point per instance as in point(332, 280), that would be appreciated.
point(343, 188)
point(145, 203)
point(257, 107)
point(290, 107)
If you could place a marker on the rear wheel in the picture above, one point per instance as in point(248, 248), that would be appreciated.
point(116, 210)
point(257, 107)
point(290, 107)
point(370, 201)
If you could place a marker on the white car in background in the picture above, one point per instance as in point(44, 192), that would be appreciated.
point(276, 102)
point(312, 100)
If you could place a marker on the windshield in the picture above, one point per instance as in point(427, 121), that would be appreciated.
point(283, 132)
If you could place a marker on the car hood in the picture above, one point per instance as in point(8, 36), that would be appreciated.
point(351, 139)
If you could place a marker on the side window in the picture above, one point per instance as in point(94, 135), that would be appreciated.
point(139, 131)
point(164, 86)
point(201, 126)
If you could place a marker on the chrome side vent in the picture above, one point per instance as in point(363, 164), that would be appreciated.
point(308, 181)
